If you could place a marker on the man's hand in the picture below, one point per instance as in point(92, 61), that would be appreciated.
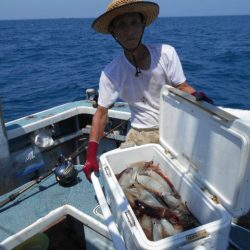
point(91, 163)
point(201, 96)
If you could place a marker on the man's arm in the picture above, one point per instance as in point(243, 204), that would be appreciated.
point(186, 87)
point(97, 132)
point(98, 124)
point(200, 96)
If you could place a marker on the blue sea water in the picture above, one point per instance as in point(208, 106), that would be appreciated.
point(44, 63)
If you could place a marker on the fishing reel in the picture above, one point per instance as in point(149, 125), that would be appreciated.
point(92, 96)
point(65, 171)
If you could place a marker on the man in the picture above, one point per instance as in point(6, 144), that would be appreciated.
point(136, 76)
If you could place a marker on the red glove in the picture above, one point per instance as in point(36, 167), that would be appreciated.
point(201, 96)
point(91, 163)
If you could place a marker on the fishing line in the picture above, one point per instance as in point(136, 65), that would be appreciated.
point(82, 148)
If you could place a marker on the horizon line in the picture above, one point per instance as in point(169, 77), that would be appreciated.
point(50, 18)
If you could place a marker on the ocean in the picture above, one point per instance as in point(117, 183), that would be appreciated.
point(44, 63)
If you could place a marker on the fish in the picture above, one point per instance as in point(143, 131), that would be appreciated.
point(151, 185)
point(163, 191)
point(151, 173)
point(142, 194)
point(156, 212)
point(187, 220)
point(170, 229)
point(127, 177)
point(147, 226)
point(130, 197)
point(170, 200)
point(155, 201)
point(158, 233)
point(158, 170)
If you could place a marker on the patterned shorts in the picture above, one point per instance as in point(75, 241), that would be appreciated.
point(142, 136)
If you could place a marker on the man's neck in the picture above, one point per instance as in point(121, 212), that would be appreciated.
point(141, 55)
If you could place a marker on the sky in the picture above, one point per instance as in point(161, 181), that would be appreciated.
point(37, 9)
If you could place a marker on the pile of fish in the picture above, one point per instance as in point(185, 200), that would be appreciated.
point(155, 201)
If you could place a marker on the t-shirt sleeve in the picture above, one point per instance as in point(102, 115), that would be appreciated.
point(174, 67)
point(107, 92)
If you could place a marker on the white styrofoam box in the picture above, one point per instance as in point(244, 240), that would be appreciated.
point(215, 221)
point(211, 145)
point(205, 152)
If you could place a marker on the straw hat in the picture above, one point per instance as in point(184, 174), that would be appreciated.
point(148, 9)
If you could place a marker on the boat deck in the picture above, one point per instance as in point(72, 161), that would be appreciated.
point(48, 195)
point(43, 198)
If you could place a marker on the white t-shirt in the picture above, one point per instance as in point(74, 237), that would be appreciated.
point(142, 93)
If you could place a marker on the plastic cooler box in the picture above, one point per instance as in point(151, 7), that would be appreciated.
point(205, 152)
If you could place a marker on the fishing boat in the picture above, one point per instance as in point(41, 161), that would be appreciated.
point(43, 207)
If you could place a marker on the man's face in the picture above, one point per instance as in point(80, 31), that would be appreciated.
point(128, 29)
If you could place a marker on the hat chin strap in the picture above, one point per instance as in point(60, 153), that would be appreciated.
point(131, 51)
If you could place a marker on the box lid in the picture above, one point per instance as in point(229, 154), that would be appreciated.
point(211, 145)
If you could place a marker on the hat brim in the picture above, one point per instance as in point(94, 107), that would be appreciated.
point(149, 10)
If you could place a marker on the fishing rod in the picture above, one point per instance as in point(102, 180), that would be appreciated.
point(64, 170)
point(12, 197)
point(82, 148)
point(65, 174)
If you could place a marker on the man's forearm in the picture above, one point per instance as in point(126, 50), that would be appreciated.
point(186, 88)
point(98, 124)
point(200, 96)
